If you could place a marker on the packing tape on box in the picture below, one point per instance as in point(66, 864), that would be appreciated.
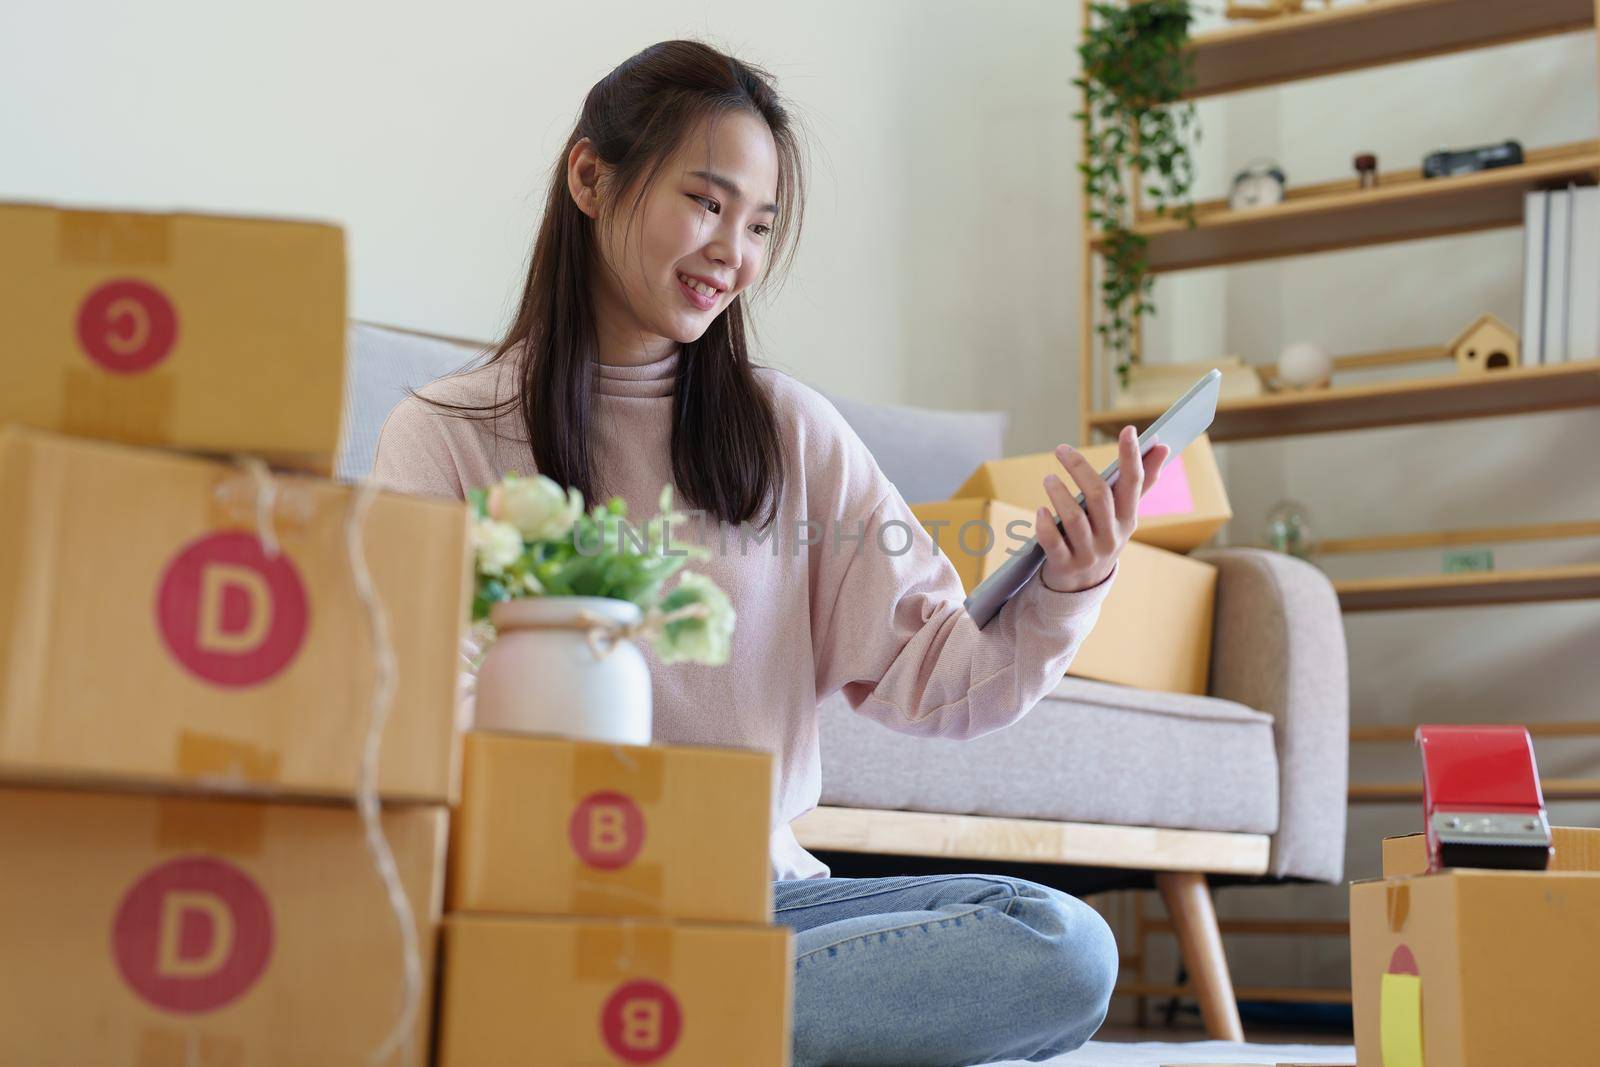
point(639, 773)
point(595, 892)
point(620, 949)
point(97, 402)
point(136, 409)
point(170, 1046)
point(1397, 905)
point(637, 770)
point(236, 828)
point(210, 758)
point(91, 237)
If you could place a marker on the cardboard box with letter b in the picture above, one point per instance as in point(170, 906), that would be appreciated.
point(556, 826)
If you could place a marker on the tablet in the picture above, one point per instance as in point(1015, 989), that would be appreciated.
point(1177, 428)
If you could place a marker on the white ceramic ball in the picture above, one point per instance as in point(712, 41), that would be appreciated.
point(1302, 364)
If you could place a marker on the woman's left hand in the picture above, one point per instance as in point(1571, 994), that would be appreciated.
point(1095, 532)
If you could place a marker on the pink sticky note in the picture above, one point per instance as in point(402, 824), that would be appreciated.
point(1171, 495)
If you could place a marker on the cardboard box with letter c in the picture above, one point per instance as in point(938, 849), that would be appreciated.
point(555, 826)
point(573, 992)
point(150, 637)
point(145, 930)
point(203, 333)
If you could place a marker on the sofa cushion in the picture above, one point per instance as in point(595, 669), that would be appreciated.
point(1087, 752)
point(926, 454)
point(381, 364)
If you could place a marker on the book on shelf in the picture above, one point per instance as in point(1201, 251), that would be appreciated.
point(1561, 276)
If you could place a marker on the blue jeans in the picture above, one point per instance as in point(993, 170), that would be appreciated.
point(942, 971)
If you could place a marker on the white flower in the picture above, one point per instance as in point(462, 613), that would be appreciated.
point(497, 544)
point(538, 507)
point(708, 640)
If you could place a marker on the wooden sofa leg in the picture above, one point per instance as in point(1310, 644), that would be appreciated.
point(1188, 900)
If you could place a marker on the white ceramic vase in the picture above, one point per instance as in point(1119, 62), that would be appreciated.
point(541, 676)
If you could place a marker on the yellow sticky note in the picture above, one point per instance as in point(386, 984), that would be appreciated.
point(1400, 1020)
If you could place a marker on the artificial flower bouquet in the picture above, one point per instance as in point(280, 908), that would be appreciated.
point(531, 537)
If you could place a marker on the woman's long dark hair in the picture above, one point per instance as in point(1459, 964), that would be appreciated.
point(726, 450)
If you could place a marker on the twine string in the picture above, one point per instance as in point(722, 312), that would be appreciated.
point(384, 674)
point(604, 634)
point(266, 502)
point(267, 497)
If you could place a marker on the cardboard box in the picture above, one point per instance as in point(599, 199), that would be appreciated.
point(1155, 626)
point(556, 826)
point(1577, 849)
point(1185, 509)
point(199, 332)
point(576, 993)
point(1158, 385)
point(142, 930)
point(146, 638)
point(977, 535)
point(1475, 968)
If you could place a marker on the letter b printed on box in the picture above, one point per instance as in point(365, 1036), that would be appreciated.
point(606, 830)
point(641, 1021)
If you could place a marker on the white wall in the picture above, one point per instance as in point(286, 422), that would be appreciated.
point(939, 245)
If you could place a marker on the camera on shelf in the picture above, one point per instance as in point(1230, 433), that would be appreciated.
point(1447, 162)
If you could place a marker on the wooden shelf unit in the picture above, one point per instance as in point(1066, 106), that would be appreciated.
point(1331, 216)
point(1356, 37)
point(1413, 401)
point(1339, 215)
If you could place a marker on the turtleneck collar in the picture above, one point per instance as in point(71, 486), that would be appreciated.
point(644, 380)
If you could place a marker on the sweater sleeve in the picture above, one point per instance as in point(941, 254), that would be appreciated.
point(415, 453)
point(890, 629)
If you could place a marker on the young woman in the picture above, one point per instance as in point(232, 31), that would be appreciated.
point(626, 368)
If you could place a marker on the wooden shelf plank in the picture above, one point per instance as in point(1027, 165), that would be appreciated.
point(1336, 215)
point(1403, 403)
point(919, 833)
point(1271, 994)
point(1411, 792)
point(1574, 582)
point(1358, 36)
point(1407, 734)
point(1483, 535)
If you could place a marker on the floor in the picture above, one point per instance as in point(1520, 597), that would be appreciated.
point(1129, 1046)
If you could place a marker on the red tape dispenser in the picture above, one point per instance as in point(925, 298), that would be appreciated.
point(1481, 801)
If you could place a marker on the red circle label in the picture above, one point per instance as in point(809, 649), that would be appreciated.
point(229, 614)
point(606, 830)
point(641, 1021)
point(127, 326)
point(192, 935)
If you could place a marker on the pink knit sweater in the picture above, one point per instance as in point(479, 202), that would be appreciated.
point(853, 613)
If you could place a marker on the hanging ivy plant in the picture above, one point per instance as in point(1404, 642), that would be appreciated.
point(1135, 72)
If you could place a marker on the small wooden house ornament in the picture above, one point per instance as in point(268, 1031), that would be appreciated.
point(1487, 345)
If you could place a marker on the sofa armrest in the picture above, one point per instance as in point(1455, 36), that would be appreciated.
point(1278, 646)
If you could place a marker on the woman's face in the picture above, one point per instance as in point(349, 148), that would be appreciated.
point(709, 216)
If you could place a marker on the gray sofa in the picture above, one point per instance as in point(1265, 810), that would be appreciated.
point(1260, 761)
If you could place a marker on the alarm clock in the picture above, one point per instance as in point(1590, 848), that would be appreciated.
point(1259, 184)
